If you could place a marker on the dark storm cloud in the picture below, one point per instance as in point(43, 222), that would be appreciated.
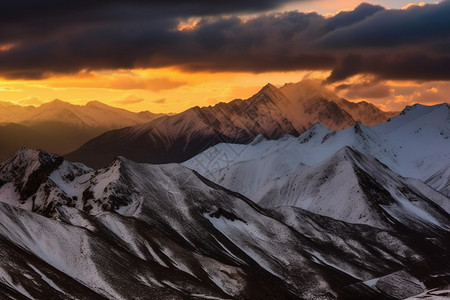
point(429, 25)
point(400, 65)
point(21, 9)
point(372, 89)
point(66, 36)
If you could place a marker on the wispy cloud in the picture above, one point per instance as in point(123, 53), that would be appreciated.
point(160, 101)
point(129, 100)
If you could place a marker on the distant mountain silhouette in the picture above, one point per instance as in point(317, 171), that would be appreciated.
point(60, 127)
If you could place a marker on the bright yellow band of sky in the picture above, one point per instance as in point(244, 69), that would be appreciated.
point(157, 90)
point(169, 90)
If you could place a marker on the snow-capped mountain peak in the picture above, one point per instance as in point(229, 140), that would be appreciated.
point(28, 169)
point(269, 95)
point(315, 134)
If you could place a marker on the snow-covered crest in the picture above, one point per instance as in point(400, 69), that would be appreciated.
point(134, 229)
point(413, 144)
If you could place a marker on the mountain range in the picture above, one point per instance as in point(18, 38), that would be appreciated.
point(293, 193)
point(135, 229)
point(60, 127)
point(413, 144)
point(272, 112)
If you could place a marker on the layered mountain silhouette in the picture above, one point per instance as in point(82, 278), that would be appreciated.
point(133, 229)
point(60, 127)
point(272, 112)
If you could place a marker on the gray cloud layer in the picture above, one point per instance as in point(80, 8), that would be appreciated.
point(66, 36)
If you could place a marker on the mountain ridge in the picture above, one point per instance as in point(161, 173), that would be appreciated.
point(92, 114)
point(269, 113)
point(413, 144)
point(362, 190)
point(60, 127)
point(163, 230)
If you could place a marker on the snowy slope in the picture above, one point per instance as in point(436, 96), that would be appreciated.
point(361, 244)
point(420, 136)
point(413, 144)
point(133, 229)
point(356, 188)
point(440, 180)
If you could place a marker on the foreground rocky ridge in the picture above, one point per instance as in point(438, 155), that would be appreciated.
point(137, 230)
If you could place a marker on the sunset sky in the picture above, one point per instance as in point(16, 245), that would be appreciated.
point(166, 56)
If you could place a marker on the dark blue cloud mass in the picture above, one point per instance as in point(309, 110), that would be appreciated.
point(50, 36)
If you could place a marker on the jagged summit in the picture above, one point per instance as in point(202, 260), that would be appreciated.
point(420, 109)
point(410, 108)
point(270, 94)
point(26, 170)
point(24, 162)
point(269, 87)
point(324, 105)
point(317, 133)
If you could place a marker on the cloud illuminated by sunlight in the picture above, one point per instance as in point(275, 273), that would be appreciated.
point(188, 24)
point(392, 94)
point(409, 5)
point(227, 60)
point(7, 47)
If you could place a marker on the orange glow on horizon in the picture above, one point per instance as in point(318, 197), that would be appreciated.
point(170, 90)
point(164, 90)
